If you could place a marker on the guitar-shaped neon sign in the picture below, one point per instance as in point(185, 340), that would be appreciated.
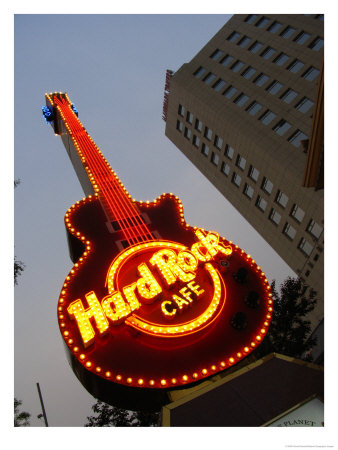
point(151, 303)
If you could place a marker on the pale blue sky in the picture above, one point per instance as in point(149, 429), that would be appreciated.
point(113, 69)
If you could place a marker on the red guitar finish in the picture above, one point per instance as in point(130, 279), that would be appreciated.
point(151, 303)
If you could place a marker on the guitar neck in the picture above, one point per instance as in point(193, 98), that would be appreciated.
point(115, 200)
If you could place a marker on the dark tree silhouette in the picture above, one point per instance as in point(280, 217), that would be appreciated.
point(289, 332)
point(18, 265)
point(110, 416)
point(18, 268)
point(21, 419)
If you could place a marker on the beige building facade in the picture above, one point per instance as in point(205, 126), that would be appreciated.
point(242, 110)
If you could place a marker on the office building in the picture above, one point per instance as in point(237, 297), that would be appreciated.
point(247, 110)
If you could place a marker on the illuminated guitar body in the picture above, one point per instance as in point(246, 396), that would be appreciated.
point(151, 303)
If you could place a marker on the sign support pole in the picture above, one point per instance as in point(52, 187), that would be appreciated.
point(42, 405)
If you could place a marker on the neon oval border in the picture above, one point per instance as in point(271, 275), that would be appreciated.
point(168, 330)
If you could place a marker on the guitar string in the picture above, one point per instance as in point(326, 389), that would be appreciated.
point(78, 138)
point(85, 140)
point(121, 197)
point(91, 159)
point(137, 226)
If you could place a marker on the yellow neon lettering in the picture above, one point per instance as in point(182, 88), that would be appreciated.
point(165, 312)
point(181, 303)
point(147, 286)
point(115, 308)
point(194, 287)
point(187, 261)
point(186, 295)
point(129, 292)
point(82, 316)
point(166, 262)
point(208, 246)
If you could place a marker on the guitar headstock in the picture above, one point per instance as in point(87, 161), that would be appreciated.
point(49, 111)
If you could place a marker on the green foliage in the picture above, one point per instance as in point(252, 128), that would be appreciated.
point(110, 416)
point(289, 330)
point(21, 419)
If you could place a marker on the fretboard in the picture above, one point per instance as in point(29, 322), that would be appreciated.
point(114, 198)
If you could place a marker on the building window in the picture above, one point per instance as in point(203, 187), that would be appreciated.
point(215, 158)
point(295, 66)
point(282, 199)
point(196, 141)
point(209, 78)
point(297, 138)
point(241, 162)
point(241, 100)
point(179, 126)
point(248, 73)
point(229, 151)
point(199, 72)
point(281, 59)
point(274, 216)
point(304, 105)
point(311, 74)
point(305, 247)
point(282, 127)
point(219, 85)
point(237, 66)
point(317, 44)
point(236, 179)
point(256, 46)
point(248, 191)
point(225, 169)
point(216, 54)
point(198, 125)
point(233, 36)
point(262, 22)
point(251, 18)
point(218, 142)
point(267, 185)
point(205, 149)
point(314, 229)
point(274, 27)
point(253, 173)
point(289, 96)
point(267, 117)
point(189, 117)
point(297, 213)
point(288, 32)
point(261, 203)
point(244, 41)
point(254, 108)
point(187, 133)
point(230, 92)
point(208, 133)
point(261, 79)
point(289, 231)
point(181, 110)
point(274, 87)
point(268, 52)
point(302, 38)
point(226, 60)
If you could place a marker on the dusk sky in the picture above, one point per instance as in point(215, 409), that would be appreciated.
point(113, 69)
